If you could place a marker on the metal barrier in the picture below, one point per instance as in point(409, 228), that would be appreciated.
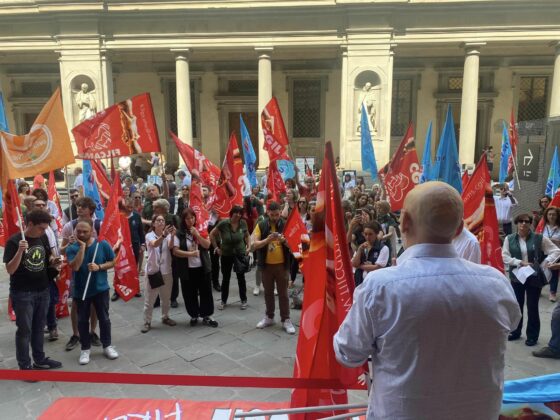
point(315, 409)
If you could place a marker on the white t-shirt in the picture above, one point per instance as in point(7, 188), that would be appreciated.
point(194, 262)
point(79, 182)
point(467, 246)
point(158, 260)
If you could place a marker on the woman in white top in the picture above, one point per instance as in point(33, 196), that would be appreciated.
point(195, 269)
point(159, 242)
point(370, 255)
point(552, 231)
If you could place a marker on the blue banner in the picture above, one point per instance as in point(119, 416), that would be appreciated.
point(90, 189)
point(540, 389)
point(286, 168)
point(3, 119)
point(368, 154)
point(553, 182)
point(248, 153)
point(447, 168)
point(504, 154)
point(427, 163)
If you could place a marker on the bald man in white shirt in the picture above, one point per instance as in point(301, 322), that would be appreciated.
point(435, 325)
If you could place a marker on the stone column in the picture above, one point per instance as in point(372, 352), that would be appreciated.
point(184, 113)
point(265, 94)
point(107, 79)
point(469, 102)
point(343, 143)
point(555, 99)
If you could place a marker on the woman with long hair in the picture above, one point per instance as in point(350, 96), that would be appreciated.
point(191, 250)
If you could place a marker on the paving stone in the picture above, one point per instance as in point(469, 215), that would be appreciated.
point(261, 362)
point(238, 349)
point(219, 338)
point(215, 364)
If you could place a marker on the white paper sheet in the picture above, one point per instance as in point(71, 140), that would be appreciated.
point(522, 273)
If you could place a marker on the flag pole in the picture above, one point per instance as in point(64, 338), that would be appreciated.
point(515, 171)
point(68, 192)
point(89, 273)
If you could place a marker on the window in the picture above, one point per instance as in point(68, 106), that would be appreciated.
point(172, 107)
point(243, 87)
point(533, 98)
point(401, 112)
point(306, 108)
point(455, 83)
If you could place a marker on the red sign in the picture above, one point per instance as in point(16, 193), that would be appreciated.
point(123, 129)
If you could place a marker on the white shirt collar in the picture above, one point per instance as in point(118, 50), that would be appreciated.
point(429, 251)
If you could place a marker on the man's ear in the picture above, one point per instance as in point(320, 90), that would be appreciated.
point(459, 229)
point(405, 221)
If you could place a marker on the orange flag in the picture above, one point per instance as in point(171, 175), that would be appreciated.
point(46, 146)
point(329, 288)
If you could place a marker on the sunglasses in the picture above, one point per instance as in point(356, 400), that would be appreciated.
point(524, 222)
point(74, 196)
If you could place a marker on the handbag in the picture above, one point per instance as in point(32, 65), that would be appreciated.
point(241, 264)
point(156, 279)
point(539, 278)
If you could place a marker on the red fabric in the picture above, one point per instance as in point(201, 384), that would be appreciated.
point(329, 287)
point(123, 129)
point(126, 281)
point(465, 179)
point(514, 141)
point(38, 181)
point(228, 191)
point(308, 171)
point(10, 221)
point(480, 215)
point(63, 286)
point(53, 196)
point(403, 171)
point(554, 203)
point(112, 222)
point(197, 204)
point(294, 230)
point(275, 135)
point(275, 185)
point(100, 177)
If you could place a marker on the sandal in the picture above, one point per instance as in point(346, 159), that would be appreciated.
point(147, 327)
point(168, 321)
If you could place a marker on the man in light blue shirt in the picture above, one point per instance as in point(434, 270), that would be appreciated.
point(435, 325)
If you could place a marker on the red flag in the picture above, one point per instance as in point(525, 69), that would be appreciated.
point(329, 286)
point(554, 203)
point(111, 223)
point(100, 177)
point(228, 191)
point(53, 196)
point(123, 129)
point(197, 204)
point(403, 171)
point(465, 179)
point(294, 230)
point(308, 171)
point(480, 215)
point(274, 182)
point(11, 206)
point(63, 286)
point(514, 141)
point(274, 131)
point(126, 281)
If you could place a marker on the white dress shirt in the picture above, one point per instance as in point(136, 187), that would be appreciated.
point(467, 246)
point(436, 328)
point(504, 207)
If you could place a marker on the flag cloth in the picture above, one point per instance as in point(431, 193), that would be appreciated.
point(554, 203)
point(427, 163)
point(229, 189)
point(308, 170)
point(514, 141)
point(368, 154)
point(101, 180)
point(196, 202)
point(10, 220)
point(286, 168)
point(274, 131)
point(465, 179)
point(112, 223)
point(123, 129)
point(447, 167)
point(295, 232)
point(90, 188)
point(126, 281)
point(46, 146)
point(274, 183)
point(553, 182)
point(402, 173)
point(505, 154)
point(480, 215)
point(3, 119)
point(53, 196)
point(329, 286)
point(63, 286)
point(248, 154)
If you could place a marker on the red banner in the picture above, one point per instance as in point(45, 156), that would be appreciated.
point(100, 178)
point(197, 204)
point(275, 135)
point(513, 140)
point(112, 222)
point(480, 215)
point(63, 285)
point(294, 231)
point(554, 203)
point(228, 191)
point(53, 196)
point(11, 205)
point(403, 171)
point(465, 179)
point(275, 185)
point(123, 129)
point(328, 298)
point(126, 281)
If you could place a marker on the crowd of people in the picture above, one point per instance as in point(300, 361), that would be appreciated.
point(174, 258)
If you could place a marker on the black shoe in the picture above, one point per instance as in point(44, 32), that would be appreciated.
point(138, 294)
point(547, 352)
point(95, 341)
point(47, 363)
point(210, 322)
point(217, 287)
point(530, 342)
point(114, 297)
point(194, 321)
point(174, 304)
point(73, 342)
point(514, 336)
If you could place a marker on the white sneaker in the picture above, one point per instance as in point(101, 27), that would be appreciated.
point(265, 322)
point(256, 291)
point(84, 357)
point(288, 327)
point(275, 292)
point(110, 353)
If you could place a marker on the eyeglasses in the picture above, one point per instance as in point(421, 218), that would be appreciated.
point(524, 222)
point(74, 196)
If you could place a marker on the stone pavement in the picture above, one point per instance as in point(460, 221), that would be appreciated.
point(236, 347)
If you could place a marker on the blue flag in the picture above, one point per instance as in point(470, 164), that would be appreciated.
point(427, 163)
point(447, 168)
point(368, 155)
point(553, 182)
point(504, 154)
point(3, 119)
point(248, 153)
point(286, 168)
point(90, 189)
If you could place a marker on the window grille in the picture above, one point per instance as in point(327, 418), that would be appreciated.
point(533, 98)
point(455, 83)
point(306, 106)
point(401, 113)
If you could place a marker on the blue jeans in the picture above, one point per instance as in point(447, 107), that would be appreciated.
point(31, 314)
point(101, 303)
point(554, 342)
point(51, 312)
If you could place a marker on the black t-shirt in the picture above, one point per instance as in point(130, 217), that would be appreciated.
point(31, 275)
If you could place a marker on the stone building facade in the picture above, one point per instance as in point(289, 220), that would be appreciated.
point(206, 61)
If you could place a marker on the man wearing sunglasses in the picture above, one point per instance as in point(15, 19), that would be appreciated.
point(505, 203)
point(71, 212)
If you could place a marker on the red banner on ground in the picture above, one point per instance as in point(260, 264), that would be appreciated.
point(123, 129)
point(480, 215)
point(228, 191)
point(274, 131)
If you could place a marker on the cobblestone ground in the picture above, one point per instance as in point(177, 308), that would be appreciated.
point(236, 347)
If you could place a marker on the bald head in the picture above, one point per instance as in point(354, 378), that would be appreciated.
point(432, 213)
